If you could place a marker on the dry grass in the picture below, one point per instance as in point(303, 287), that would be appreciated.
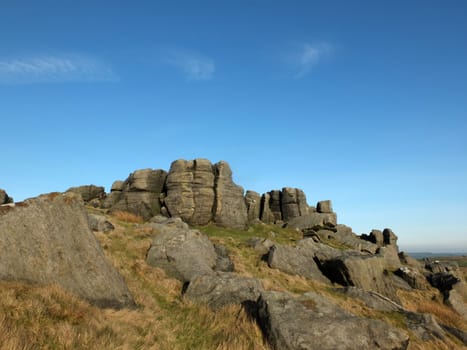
point(125, 216)
point(47, 317)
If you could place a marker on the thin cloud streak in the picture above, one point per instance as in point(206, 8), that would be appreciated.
point(193, 65)
point(53, 69)
point(307, 57)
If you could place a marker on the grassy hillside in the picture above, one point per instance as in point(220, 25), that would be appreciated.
point(47, 317)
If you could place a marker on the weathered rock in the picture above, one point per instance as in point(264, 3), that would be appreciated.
point(409, 261)
point(141, 203)
point(324, 207)
point(293, 203)
point(139, 194)
point(424, 325)
point(275, 204)
point(366, 272)
point(181, 252)
point(375, 236)
point(437, 266)
point(118, 185)
point(266, 215)
point(390, 254)
point(371, 299)
point(313, 221)
point(260, 245)
point(147, 180)
point(457, 298)
point(224, 288)
point(302, 259)
point(443, 281)
point(111, 199)
point(312, 322)
point(89, 192)
point(413, 277)
point(223, 261)
point(295, 261)
point(4, 198)
point(253, 205)
point(229, 207)
point(390, 237)
point(345, 236)
point(47, 240)
point(100, 223)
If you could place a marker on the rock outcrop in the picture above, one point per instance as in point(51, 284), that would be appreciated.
point(4, 198)
point(184, 253)
point(224, 288)
point(91, 194)
point(139, 194)
point(283, 205)
point(313, 322)
point(368, 272)
point(229, 206)
point(47, 240)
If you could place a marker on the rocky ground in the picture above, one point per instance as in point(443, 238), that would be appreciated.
point(165, 264)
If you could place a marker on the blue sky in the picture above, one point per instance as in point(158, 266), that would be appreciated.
point(361, 102)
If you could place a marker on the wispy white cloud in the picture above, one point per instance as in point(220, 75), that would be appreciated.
point(306, 56)
point(54, 68)
point(193, 65)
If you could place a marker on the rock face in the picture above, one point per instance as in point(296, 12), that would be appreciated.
point(367, 272)
point(300, 260)
point(253, 205)
point(47, 240)
point(4, 198)
point(224, 288)
point(184, 253)
point(284, 205)
point(313, 220)
point(200, 192)
point(312, 322)
point(99, 223)
point(139, 194)
point(89, 192)
point(190, 191)
point(230, 209)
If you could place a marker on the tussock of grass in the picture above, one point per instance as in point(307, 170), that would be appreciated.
point(125, 216)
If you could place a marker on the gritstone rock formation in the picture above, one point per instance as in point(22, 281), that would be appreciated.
point(47, 240)
point(4, 198)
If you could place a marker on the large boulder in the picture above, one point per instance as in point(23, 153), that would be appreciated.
point(190, 191)
point(305, 259)
point(230, 208)
point(4, 198)
point(181, 252)
point(293, 203)
point(100, 223)
point(139, 194)
point(313, 322)
point(89, 192)
point(295, 261)
point(47, 240)
point(184, 253)
point(457, 298)
point(324, 207)
point(312, 221)
point(224, 288)
point(367, 272)
point(266, 214)
point(253, 205)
